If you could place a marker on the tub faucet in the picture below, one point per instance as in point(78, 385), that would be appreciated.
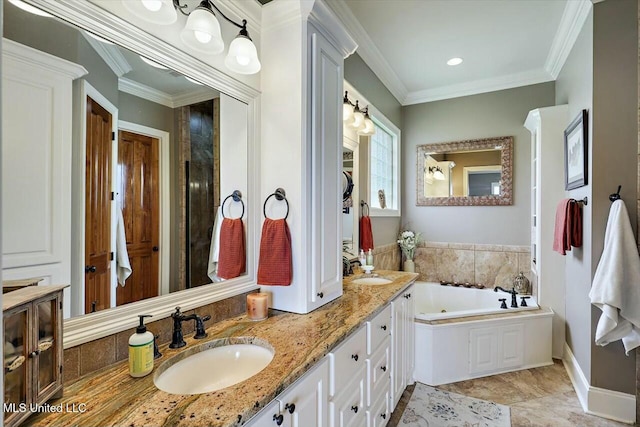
point(177, 339)
point(514, 301)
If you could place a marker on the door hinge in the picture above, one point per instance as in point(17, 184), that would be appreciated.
point(60, 305)
point(113, 195)
point(113, 136)
point(61, 369)
point(111, 257)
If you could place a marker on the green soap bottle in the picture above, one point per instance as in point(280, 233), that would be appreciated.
point(141, 350)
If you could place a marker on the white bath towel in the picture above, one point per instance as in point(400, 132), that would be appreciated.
point(616, 283)
point(214, 249)
point(123, 266)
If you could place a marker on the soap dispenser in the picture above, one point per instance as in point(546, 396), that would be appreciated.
point(369, 257)
point(141, 350)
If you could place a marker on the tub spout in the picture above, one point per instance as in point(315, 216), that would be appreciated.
point(514, 301)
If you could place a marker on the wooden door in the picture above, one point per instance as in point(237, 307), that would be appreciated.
point(138, 167)
point(98, 209)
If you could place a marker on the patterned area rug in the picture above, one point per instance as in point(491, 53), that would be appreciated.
point(430, 407)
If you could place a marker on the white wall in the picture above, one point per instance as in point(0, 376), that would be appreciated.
point(492, 114)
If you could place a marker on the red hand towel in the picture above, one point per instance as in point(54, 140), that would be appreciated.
point(366, 235)
point(231, 261)
point(275, 264)
point(560, 237)
point(574, 224)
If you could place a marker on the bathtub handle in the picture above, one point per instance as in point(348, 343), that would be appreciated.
point(354, 357)
point(383, 327)
point(504, 302)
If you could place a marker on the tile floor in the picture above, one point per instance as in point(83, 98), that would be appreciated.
point(541, 397)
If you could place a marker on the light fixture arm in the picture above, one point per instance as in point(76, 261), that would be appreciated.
point(208, 4)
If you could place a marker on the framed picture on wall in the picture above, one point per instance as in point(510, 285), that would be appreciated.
point(575, 152)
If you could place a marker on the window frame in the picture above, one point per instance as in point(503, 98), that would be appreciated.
point(383, 122)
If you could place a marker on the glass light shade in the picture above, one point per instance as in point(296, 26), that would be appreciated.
point(369, 128)
point(159, 12)
point(28, 8)
point(242, 57)
point(347, 112)
point(358, 119)
point(202, 32)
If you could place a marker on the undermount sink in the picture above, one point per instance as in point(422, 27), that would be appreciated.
point(211, 367)
point(372, 281)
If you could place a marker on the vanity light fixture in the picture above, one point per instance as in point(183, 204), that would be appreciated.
point(436, 171)
point(356, 117)
point(202, 31)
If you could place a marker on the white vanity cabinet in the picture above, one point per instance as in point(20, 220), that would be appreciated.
point(547, 154)
point(402, 345)
point(303, 51)
point(303, 404)
point(379, 368)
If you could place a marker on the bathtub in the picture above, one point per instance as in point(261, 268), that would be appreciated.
point(456, 345)
point(434, 302)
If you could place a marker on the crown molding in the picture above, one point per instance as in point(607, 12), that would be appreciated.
point(325, 19)
point(369, 52)
point(154, 95)
point(110, 55)
point(36, 58)
point(573, 18)
point(478, 86)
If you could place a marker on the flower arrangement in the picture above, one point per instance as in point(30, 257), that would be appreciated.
point(408, 241)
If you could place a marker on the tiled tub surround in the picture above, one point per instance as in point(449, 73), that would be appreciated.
point(387, 257)
point(491, 265)
point(113, 398)
point(94, 355)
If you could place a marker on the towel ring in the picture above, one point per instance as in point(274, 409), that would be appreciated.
point(279, 194)
point(362, 205)
point(615, 196)
point(237, 197)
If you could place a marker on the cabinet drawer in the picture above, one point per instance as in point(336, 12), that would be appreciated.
point(378, 414)
point(349, 357)
point(378, 329)
point(348, 407)
point(378, 374)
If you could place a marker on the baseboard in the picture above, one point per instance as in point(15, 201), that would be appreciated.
point(598, 401)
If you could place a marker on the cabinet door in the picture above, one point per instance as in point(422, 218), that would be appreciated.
point(410, 337)
point(47, 345)
point(398, 383)
point(326, 169)
point(306, 403)
point(17, 375)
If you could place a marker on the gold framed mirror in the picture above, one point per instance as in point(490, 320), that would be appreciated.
point(475, 172)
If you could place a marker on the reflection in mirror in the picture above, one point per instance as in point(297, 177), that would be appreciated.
point(465, 173)
point(181, 148)
point(351, 194)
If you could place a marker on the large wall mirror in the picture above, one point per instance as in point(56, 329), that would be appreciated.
point(465, 173)
point(183, 136)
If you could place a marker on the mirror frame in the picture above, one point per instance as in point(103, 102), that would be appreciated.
point(91, 17)
point(506, 181)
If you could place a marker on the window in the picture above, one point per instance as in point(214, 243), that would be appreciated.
point(384, 166)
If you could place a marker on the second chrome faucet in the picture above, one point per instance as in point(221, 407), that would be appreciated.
point(177, 339)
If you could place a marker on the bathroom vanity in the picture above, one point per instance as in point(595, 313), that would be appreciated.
point(335, 353)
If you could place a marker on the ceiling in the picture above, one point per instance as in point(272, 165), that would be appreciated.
point(504, 43)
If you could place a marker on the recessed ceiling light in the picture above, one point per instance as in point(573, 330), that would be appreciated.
point(454, 61)
point(153, 63)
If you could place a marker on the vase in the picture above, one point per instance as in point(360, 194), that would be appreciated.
point(409, 266)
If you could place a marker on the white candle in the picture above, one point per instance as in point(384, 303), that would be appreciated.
point(258, 306)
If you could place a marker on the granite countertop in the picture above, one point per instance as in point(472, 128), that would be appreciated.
point(110, 397)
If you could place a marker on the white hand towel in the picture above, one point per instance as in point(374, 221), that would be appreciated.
point(616, 283)
point(123, 266)
point(214, 249)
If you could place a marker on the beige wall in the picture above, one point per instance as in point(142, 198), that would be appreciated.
point(485, 115)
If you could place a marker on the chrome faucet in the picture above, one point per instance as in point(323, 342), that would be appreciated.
point(177, 339)
point(514, 301)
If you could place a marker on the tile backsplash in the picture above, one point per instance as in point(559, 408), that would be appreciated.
point(491, 265)
point(387, 257)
